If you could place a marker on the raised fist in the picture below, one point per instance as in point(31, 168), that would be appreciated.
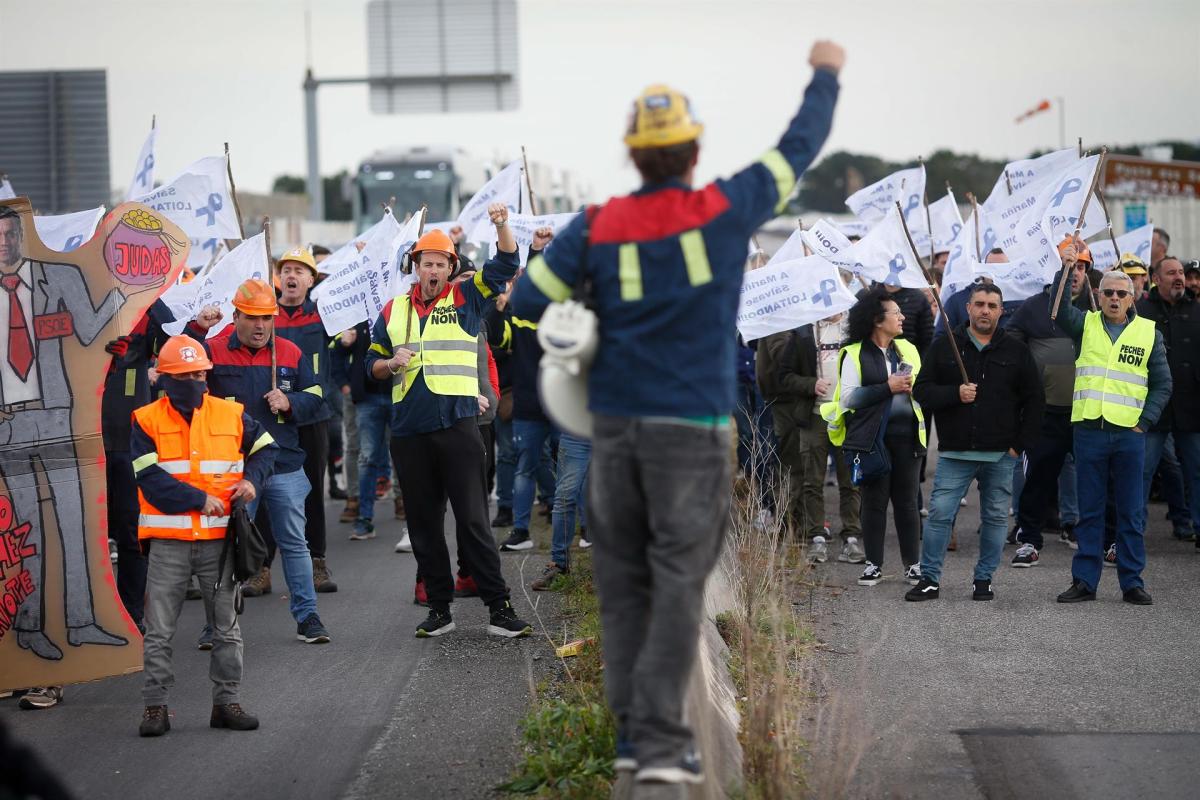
point(828, 55)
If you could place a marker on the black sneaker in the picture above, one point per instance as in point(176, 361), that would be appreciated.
point(1067, 536)
point(438, 623)
point(687, 770)
point(1078, 593)
point(925, 590)
point(1027, 556)
point(1137, 596)
point(871, 575)
point(517, 540)
point(504, 622)
point(155, 721)
point(503, 518)
point(983, 590)
point(312, 631)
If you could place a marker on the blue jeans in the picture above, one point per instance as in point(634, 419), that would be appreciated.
point(284, 495)
point(529, 439)
point(574, 455)
point(1104, 458)
point(374, 431)
point(1187, 448)
point(1068, 495)
point(950, 485)
point(506, 463)
point(756, 445)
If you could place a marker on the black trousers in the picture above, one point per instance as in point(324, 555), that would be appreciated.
point(314, 440)
point(449, 464)
point(122, 528)
point(1043, 463)
point(899, 487)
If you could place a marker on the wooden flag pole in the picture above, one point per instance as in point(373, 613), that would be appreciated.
point(975, 214)
point(528, 183)
point(928, 220)
point(233, 195)
point(936, 296)
point(1062, 281)
point(1007, 182)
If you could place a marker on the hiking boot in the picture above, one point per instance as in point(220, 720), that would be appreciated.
point(233, 718)
point(350, 512)
point(550, 576)
point(322, 576)
point(503, 518)
point(818, 551)
point(260, 584)
point(852, 551)
point(924, 590)
point(405, 543)
point(398, 504)
point(363, 529)
point(1027, 556)
point(420, 596)
point(155, 721)
point(1110, 555)
point(913, 575)
point(464, 586)
point(1137, 596)
point(311, 631)
point(1078, 593)
point(504, 622)
point(983, 590)
point(205, 642)
point(871, 575)
point(41, 698)
point(438, 623)
point(517, 540)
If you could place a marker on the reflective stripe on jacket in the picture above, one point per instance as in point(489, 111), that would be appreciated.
point(1112, 379)
point(446, 354)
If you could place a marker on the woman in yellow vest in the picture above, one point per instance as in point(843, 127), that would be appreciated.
point(193, 455)
point(1122, 385)
point(880, 428)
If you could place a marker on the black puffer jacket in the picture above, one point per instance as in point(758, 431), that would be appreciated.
point(1179, 324)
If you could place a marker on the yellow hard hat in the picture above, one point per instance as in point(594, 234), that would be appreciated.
point(301, 255)
point(662, 117)
point(1132, 265)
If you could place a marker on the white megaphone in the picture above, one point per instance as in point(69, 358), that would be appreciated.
point(568, 333)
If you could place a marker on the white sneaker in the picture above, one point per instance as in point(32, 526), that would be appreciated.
point(924, 513)
point(818, 552)
point(852, 551)
point(404, 545)
point(913, 574)
point(871, 575)
point(963, 502)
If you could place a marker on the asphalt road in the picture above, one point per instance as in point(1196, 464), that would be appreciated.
point(1020, 697)
point(376, 713)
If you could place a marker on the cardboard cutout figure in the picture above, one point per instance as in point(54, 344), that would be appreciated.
point(61, 620)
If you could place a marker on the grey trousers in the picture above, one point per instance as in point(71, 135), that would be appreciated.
point(170, 568)
point(659, 498)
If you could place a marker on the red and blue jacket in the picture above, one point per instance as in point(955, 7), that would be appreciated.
point(243, 374)
point(666, 268)
point(301, 325)
point(422, 411)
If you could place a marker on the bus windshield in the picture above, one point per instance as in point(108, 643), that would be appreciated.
point(413, 185)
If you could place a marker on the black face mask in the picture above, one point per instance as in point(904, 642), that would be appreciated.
point(185, 395)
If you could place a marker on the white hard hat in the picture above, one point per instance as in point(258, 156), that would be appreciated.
point(564, 395)
point(568, 334)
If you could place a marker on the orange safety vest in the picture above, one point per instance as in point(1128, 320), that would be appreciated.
point(206, 454)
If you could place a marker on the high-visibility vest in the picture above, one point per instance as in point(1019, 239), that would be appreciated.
point(1112, 378)
point(833, 412)
point(445, 353)
point(206, 454)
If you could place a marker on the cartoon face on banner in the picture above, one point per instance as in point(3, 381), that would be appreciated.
point(61, 620)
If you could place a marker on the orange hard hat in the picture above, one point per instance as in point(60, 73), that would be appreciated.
point(182, 354)
point(1081, 251)
point(255, 297)
point(187, 276)
point(437, 242)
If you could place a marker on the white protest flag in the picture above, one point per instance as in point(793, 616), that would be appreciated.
point(142, 181)
point(404, 240)
point(791, 249)
point(359, 290)
point(946, 221)
point(961, 262)
point(198, 201)
point(1017, 279)
point(884, 255)
point(786, 295)
point(872, 203)
point(1137, 241)
point(824, 239)
point(507, 187)
point(6, 190)
point(1060, 206)
point(523, 226)
point(853, 227)
point(65, 232)
point(247, 260)
point(181, 300)
point(1027, 172)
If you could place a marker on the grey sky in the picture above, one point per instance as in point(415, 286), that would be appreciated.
point(921, 75)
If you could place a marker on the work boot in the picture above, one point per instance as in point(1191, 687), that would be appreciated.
point(550, 576)
point(399, 506)
point(350, 512)
point(260, 584)
point(232, 717)
point(322, 577)
point(155, 721)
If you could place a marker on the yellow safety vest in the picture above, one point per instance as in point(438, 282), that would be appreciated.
point(833, 412)
point(1112, 378)
point(446, 353)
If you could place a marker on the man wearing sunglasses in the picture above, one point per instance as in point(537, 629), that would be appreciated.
point(1122, 385)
